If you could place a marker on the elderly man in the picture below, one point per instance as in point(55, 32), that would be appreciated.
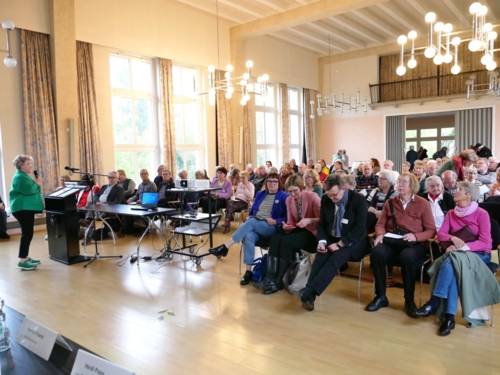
point(251, 173)
point(127, 184)
point(302, 169)
point(112, 193)
point(483, 174)
point(367, 180)
point(389, 165)
point(146, 186)
point(183, 175)
point(450, 181)
point(431, 167)
point(158, 179)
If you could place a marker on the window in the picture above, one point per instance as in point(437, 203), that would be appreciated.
point(431, 137)
point(189, 116)
point(295, 117)
point(266, 123)
point(134, 114)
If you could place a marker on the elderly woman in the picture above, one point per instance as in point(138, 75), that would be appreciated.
point(267, 214)
point(457, 164)
point(405, 167)
point(470, 174)
point(219, 197)
point(377, 197)
point(299, 232)
point(240, 200)
point(25, 201)
point(441, 201)
point(402, 231)
point(466, 237)
point(312, 182)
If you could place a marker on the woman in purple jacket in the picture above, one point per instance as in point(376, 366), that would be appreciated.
point(219, 197)
point(267, 213)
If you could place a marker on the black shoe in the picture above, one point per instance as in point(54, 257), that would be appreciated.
point(446, 326)
point(411, 309)
point(425, 311)
point(308, 304)
point(271, 287)
point(377, 303)
point(247, 277)
point(219, 251)
point(4, 236)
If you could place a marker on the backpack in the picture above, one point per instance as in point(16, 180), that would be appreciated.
point(259, 267)
point(295, 278)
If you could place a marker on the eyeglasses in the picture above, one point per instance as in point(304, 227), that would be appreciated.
point(293, 190)
point(273, 181)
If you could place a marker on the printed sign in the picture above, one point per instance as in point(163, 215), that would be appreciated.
point(89, 364)
point(37, 338)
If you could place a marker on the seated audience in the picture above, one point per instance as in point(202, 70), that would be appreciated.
point(183, 175)
point(146, 186)
point(310, 163)
point(158, 178)
point(368, 180)
point(359, 169)
point(457, 164)
point(375, 165)
point(312, 182)
point(483, 174)
point(440, 200)
point(285, 172)
point(294, 166)
point(86, 196)
point(405, 167)
point(378, 196)
point(164, 194)
point(111, 193)
point(267, 214)
point(495, 187)
point(439, 163)
point(201, 174)
point(240, 200)
point(348, 181)
point(337, 166)
point(234, 177)
point(419, 172)
point(269, 165)
point(319, 169)
point(341, 235)
point(411, 217)
point(3, 221)
point(218, 198)
point(471, 176)
point(250, 172)
point(302, 169)
point(324, 167)
point(492, 164)
point(431, 167)
point(299, 232)
point(260, 178)
point(127, 184)
point(462, 271)
point(450, 182)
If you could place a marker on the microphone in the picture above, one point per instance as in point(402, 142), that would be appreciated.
point(68, 168)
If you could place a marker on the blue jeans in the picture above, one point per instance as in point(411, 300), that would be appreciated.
point(249, 233)
point(446, 283)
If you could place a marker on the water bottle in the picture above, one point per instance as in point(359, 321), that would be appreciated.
point(4, 331)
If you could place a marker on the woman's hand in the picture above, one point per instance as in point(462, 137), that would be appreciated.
point(378, 213)
point(288, 227)
point(379, 239)
point(372, 210)
point(271, 221)
point(451, 248)
point(38, 181)
point(410, 237)
point(457, 242)
point(304, 223)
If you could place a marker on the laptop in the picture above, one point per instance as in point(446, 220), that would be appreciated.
point(150, 200)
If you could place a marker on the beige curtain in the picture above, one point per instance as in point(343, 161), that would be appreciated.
point(224, 126)
point(40, 132)
point(167, 113)
point(90, 146)
point(246, 139)
point(285, 122)
point(310, 123)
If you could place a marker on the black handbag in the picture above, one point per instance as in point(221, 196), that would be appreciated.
point(396, 242)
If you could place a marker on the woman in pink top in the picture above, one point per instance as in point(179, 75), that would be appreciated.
point(240, 200)
point(299, 232)
point(466, 215)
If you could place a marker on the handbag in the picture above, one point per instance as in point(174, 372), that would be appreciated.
point(463, 233)
point(397, 242)
point(295, 278)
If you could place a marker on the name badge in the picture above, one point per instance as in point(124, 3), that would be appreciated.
point(276, 201)
point(37, 338)
point(344, 221)
point(89, 364)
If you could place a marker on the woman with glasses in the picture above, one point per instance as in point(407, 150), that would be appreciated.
point(299, 232)
point(267, 214)
point(312, 182)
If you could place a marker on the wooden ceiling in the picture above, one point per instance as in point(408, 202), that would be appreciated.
point(339, 26)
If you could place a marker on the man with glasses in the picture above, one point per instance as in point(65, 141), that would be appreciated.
point(112, 193)
point(267, 214)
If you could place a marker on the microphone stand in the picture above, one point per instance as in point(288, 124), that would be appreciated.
point(95, 216)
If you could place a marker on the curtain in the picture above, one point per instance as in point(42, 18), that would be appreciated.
point(310, 122)
point(167, 129)
point(248, 123)
point(224, 134)
point(40, 131)
point(90, 148)
point(395, 141)
point(285, 122)
point(473, 126)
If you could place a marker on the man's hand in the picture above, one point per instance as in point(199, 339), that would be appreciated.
point(334, 247)
point(321, 248)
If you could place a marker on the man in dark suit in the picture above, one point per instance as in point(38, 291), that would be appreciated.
point(411, 156)
point(341, 235)
point(112, 193)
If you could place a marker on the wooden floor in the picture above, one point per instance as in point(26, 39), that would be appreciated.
point(214, 326)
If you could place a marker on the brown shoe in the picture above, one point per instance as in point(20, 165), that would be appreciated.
point(226, 227)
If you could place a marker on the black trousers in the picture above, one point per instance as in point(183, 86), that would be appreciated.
point(217, 203)
point(326, 265)
point(410, 260)
point(285, 245)
point(234, 206)
point(27, 221)
point(3, 222)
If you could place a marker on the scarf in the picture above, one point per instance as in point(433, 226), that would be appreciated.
point(337, 223)
point(466, 211)
point(458, 163)
point(434, 197)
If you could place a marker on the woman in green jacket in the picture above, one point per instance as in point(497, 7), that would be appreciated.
point(25, 200)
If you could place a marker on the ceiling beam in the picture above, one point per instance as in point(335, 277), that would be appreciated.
point(300, 15)
point(240, 8)
point(270, 4)
point(378, 24)
point(397, 16)
point(418, 7)
point(456, 12)
point(329, 30)
point(316, 39)
point(211, 10)
point(291, 40)
point(364, 33)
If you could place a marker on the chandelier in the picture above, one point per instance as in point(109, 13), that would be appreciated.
point(9, 60)
point(441, 39)
point(246, 84)
point(334, 103)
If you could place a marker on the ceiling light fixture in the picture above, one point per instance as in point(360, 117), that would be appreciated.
point(9, 61)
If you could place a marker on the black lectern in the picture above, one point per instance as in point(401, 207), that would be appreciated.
point(63, 228)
